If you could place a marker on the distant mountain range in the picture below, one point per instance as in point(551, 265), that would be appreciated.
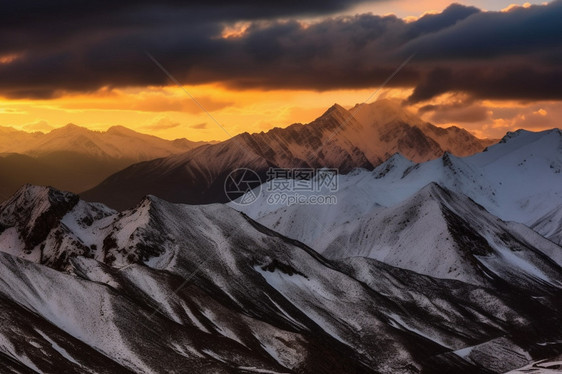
point(75, 158)
point(364, 137)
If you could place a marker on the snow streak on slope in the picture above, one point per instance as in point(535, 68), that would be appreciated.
point(550, 225)
point(551, 366)
point(174, 288)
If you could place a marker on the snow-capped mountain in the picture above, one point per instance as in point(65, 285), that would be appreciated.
point(75, 158)
point(446, 235)
point(517, 180)
point(173, 288)
point(336, 139)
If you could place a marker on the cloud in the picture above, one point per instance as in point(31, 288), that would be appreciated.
point(490, 118)
point(155, 100)
point(457, 112)
point(66, 47)
point(162, 124)
point(535, 116)
point(199, 126)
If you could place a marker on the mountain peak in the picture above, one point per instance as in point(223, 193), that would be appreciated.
point(70, 128)
point(29, 192)
point(121, 130)
point(336, 107)
point(149, 201)
point(336, 117)
point(38, 209)
point(336, 139)
point(335, 111)
point(522, 134)
point(512, 135)
point(432, 191)
point(396, 163)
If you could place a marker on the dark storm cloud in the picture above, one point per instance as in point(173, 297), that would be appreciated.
point(484, 35)
point(497, 81)
point(72, 47)
point(144, 10)
point(457, 111)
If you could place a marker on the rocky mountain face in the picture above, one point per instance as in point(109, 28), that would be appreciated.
point(74, 158)
point(168, 287)
point(361, 138)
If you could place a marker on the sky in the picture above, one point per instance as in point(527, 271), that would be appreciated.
point(487, 66)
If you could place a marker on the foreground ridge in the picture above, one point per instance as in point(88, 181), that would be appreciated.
point(169, 287)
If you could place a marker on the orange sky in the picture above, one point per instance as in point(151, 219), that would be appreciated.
point(408, 8)
point(169, 113)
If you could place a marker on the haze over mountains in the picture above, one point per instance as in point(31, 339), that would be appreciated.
point(363, 137)
point(75, 158)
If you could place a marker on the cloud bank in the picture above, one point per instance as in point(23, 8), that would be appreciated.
point(55, 47)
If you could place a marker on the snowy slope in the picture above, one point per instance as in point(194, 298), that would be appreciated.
point(445, 235)
point(93, 315)
point(167, 287)
point(518, 179)
point(549, 366)
point(33, 225)
point(550, 225)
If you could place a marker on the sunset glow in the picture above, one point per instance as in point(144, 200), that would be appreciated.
point(167, 111)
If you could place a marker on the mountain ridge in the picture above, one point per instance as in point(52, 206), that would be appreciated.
point(116, 142)
point(75, 158)
point(336, 139)
point(262, 302)
point(518, 179)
